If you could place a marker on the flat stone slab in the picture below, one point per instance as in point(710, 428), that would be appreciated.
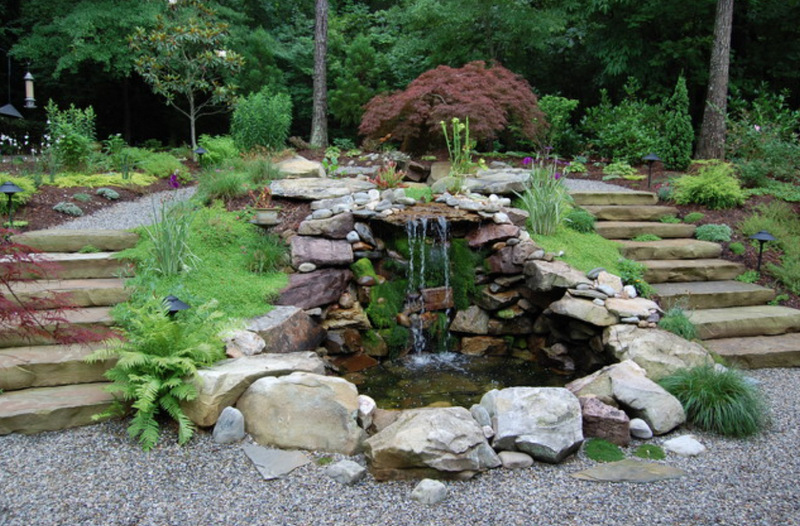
point(299, 166)
point(759, 351)
point(672, 271)
point(91, 317)
point(274, 463)
point(311, 189)
point(631, 229)
point(74, 240)
point(500, 182)
point(614, 197)
point(629, 471)
point(763, 320)
point(712, 294)
point(630, 212)
point(82, 292)
point(670, 249)
point(69, 265)
point(49, 365)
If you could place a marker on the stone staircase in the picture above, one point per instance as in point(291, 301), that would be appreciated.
point(731, 317)
point(47, 386)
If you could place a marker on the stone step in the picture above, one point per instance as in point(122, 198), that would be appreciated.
point(735, 322)
point(75, 240)
point(52, 408)
point(711, 294)
point(678, 270)
point(630, 212)
point(82, 292)
point(49, 365)
point(96, 318)
point(614, 198)
point(73, 265)
point(670, 249)
point(759, 351)
point(631, 229)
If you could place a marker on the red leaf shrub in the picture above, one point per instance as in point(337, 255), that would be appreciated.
point(493, 98)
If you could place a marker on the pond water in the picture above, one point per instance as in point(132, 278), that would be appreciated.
point(448, 379)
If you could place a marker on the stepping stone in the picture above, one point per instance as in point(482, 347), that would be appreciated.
point(629, 471)
point(614, 198)
point(49, 365)
point(274, 463)
point(670, 249)
point(52, 408)
point(631, 229)
point(712, 294)
point(92, 318)
point(81, 266)
point(681, 270)
point(762, 320)
point(75, 240)
point(82, 292)
point(312, 189)
point(630, 212)
point(759, 351)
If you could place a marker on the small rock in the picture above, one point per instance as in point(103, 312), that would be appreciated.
point(229, 427)
point(599, 302)
point(346, 301)
point(488, 431)
point(429, 491)
point(480, 414)
point(352, 237)
point(307, 267)
point(640, 429)
point(515, 459)
point(630, 319)
point(501, 218)
point(629, 291)
point(322, 213)
point(366, 410)
point(685, 446)
point(608, 290)
point(346, 472)
point(341, 209)
point(592, 274)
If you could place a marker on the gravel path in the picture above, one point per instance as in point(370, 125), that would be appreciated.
point(97, 475)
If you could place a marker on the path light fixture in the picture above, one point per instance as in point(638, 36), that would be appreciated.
point(10, 189)
point(650, 158)
point(200, 152)
point(762, 237)
point(174, 305)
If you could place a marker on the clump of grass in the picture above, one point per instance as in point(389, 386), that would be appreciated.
point(737, 248)
point(580, 220)
point(582, 251)
point(650, 452)
point(676, 322)
point(647, 237)
point(721, 401)
point(221, 184)
point(693, 217)
point(601, 450)
point(669, 219)
point(748, 276)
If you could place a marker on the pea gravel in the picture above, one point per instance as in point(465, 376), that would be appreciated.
point(97, 475)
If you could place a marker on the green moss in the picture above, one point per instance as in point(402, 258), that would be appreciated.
point(363, 267)
point(582, 251)
point(396, 339)
point(463, 261)
point(421, 194)
point(647, 237)
point(650, 451)
point(386, 302)
point(505, 314)
point(601, 450)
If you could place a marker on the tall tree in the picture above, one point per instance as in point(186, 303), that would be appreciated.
point(711, 143)
point(184, 57)
point(319, 117)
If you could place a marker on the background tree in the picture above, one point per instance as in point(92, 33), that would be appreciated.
point(319, 117)
point(184, 57)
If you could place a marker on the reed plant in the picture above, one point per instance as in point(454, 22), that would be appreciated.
point(169, 237)
point(545, 199)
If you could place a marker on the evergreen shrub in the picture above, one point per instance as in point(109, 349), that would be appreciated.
point(262, 119)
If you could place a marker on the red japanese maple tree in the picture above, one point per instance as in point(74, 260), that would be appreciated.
point(495, 99)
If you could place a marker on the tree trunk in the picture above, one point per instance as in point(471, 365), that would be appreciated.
point(711, 144)
point(319, 118)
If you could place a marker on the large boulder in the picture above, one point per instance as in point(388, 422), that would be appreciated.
point(315, 289)
point(583, 310)
point(437, 443)
point(287, 329)
point(299, 167)
point(220, 385)
point(303, 411)
point(544, 276)
point(544, 422)
point(335, 227)
point(658, 352)
point(320, 251)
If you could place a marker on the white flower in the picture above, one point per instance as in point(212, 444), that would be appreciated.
point(221, 53)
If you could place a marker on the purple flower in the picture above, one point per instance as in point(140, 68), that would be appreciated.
point(174, 182)
point(557, 176)
point(757, 127)
point(526, 161)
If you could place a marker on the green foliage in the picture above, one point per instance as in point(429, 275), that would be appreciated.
point(422, 194)
point(632, 273)
point(71, 133)
point(780, 298)
point(580, 220)
point(89, 249)
point(267, 256)
point(157, 361)
point(107, 193)
point(737, 248)
point(601, 450)
point(397, 338)
point(262, 119)
point(218, 148)
point(70, 209)
point(650, 452)
point(582, 251)
point(170, 252)
point(363, 267)
point(748, 276)
point(669, 219)
point(665, 193)
point(621, 169)
point(716, 233)
point(721, 401)
point(647, 237)
point(788, 271)
point(221, 184)
point(714, 186)
point(560, 134)
point(160, 165)
point(459, 147)
point(28, 189)
point(386, 302)
point(260, 170)
point(72, 180)
point(676, 146)
point(693, 217)
point(546, 199)
point(676, 322)
point(82, 197)
point(463, 261)
point(788, 192)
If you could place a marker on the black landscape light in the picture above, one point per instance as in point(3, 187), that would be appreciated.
point(174, 305)
point(200, 152)
point(762, 237)
point(650, 158)
point(10, 189)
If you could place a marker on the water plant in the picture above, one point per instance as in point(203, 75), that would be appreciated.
point(719, 400)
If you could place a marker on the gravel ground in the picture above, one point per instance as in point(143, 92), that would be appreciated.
point(97, 475)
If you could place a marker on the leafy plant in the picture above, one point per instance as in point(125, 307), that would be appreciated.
point(70, 209)
point(716, 233)
point(28, 190)
point(107, 193)
point(737, 248)
point(262, 119)
point(82, 197)
point(156, 360)
point(71, 133)
point(721, 401)
point(650, 452)
point(714, 186)
point(676, 322)
point(601, 450)
point(545, 199)
point(388, 176)
point(621, 169)
point(665, 193)
point(459, 147)
point(780, 298)
point(669, 219)
point(748, 276)
point(560, 134)
point(170, 251)
point(693, 217)
point(580, 220)
point(647, 237)
point(632, 273)
point(331, 160)
point(218, 148)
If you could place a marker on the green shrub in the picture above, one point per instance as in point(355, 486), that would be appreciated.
point(693, 217)
point(669, 219)
point(665, 193)
point(737, 248)
point(107, 193)
point(160, 165)
point(632, 273)
point(262, 119)
point(82, 197)
point(70, 209)
point(580, 220)
point(601, 450)
point(788, 271)
point(716, 233)
point(222, 184)
point(561, 135)
point(647, 237)
point(721, 401)
point(676, 322)
point(650, 452)
point(219, 149)
point(621, 169)
point(676, 146)
point(170, 252)
point(714, 186)
point(748, 276)
point(71, 133)
point(157, 360)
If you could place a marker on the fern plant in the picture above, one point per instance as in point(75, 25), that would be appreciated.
point(155, 362)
